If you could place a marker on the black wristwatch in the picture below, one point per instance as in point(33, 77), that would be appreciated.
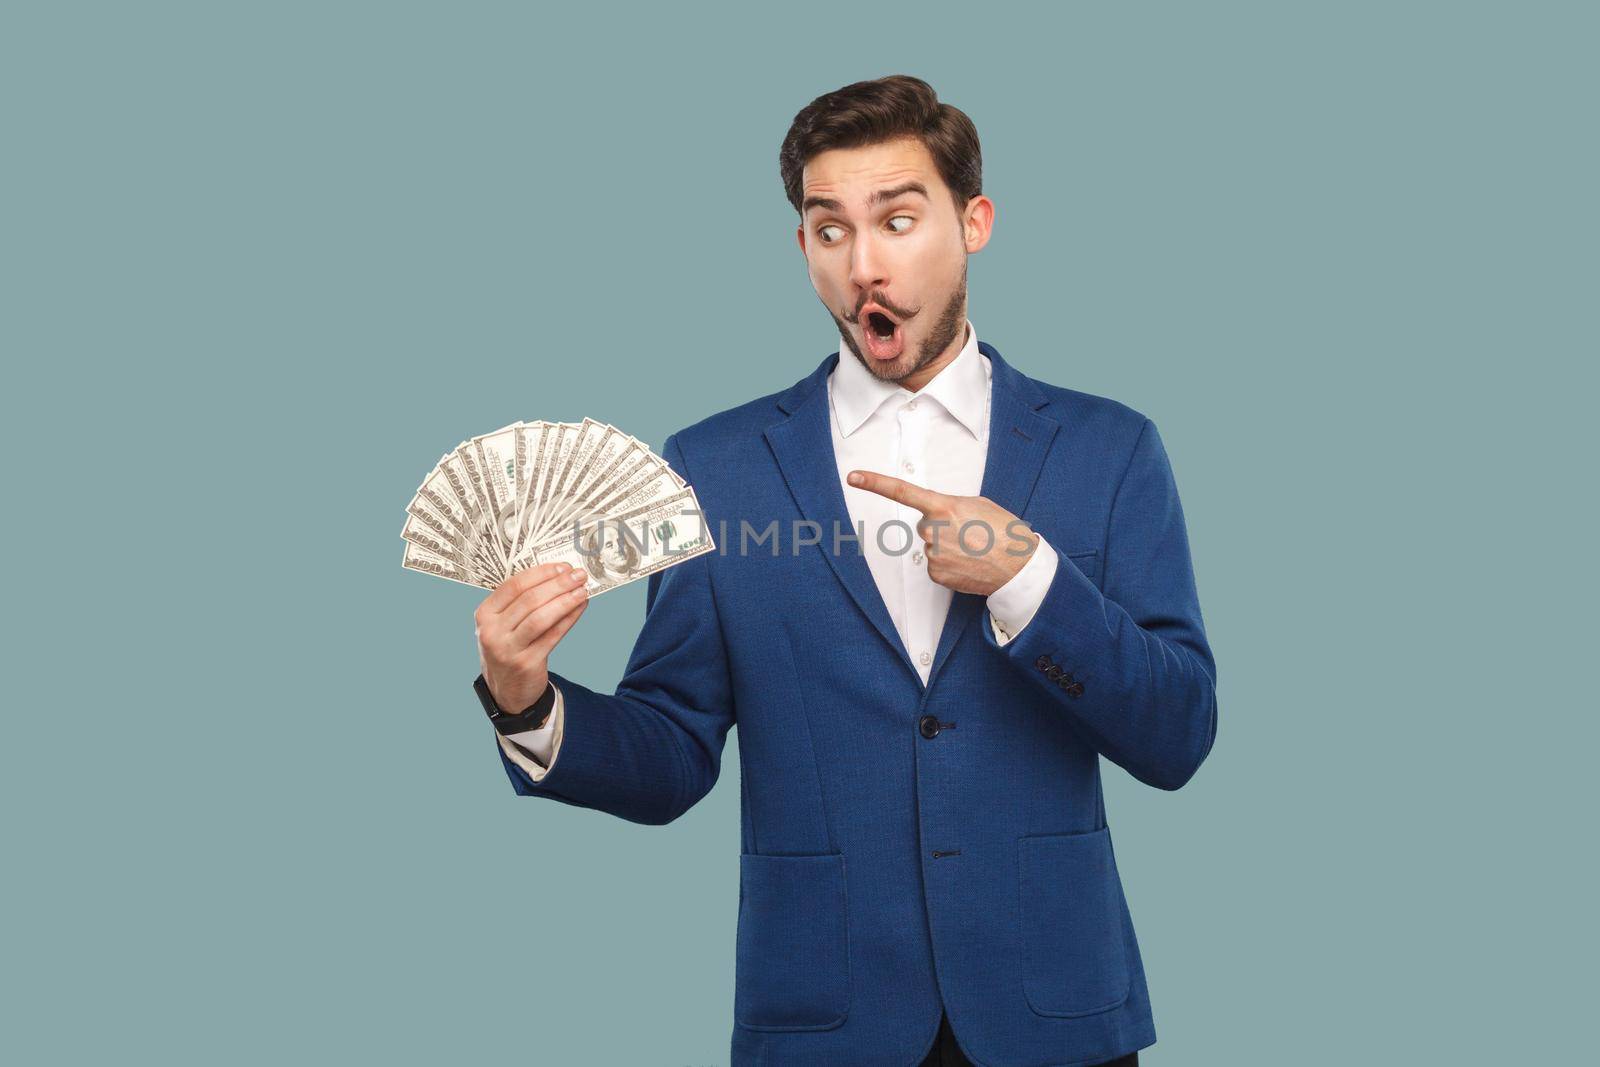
point(530, 718)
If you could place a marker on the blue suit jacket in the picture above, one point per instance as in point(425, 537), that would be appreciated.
point(882, 872)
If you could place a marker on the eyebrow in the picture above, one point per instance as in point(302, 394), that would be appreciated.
point(878, 197)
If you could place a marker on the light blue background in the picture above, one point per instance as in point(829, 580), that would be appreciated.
point(262, 264)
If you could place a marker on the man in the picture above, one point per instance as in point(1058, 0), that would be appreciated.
point(983, 585)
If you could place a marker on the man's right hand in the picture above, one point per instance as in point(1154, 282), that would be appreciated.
point(520, 623)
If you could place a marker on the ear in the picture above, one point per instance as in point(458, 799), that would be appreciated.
point(977, 222)
point(800, 235)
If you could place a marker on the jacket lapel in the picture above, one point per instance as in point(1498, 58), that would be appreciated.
point(803, 447)
point(1019, 438)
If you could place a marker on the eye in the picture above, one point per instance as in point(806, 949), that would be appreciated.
point(908, 219)
point(822, 232)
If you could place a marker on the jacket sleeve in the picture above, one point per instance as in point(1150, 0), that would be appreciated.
point(650, 751)
point(1131, 666)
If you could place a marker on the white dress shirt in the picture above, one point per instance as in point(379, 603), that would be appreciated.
point(938, 438)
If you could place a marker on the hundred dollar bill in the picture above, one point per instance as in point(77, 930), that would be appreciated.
point(490, 506)
point(561, 489)
point(558, 452)
point(644, 484)
point(448, 494)
point(417, 558)
point(615, 456)
point(425, 528)
point(614, 551)
point(427, 531)
point(597, 452)
point(520, 434)
point(541, 444)
point(492, 457)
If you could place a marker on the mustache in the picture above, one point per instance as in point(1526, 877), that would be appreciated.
point(901, 314)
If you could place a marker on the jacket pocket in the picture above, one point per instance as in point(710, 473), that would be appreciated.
point(1087, 561)
point(1074, 958)
point(792, 965)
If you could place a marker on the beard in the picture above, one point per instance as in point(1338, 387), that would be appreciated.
point(950, 323)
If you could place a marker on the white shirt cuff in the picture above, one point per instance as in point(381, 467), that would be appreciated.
point(1012, 606)
point(535, 750)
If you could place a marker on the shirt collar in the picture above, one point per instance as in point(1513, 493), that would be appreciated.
point(962, 387)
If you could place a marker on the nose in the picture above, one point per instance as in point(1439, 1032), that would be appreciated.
point(867, 268)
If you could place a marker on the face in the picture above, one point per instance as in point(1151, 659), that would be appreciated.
point(886, 249)
point(610, 553)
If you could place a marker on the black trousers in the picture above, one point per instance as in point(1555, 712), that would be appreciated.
point(946, 1053)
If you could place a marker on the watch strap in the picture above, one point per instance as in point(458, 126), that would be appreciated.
point(530, 718)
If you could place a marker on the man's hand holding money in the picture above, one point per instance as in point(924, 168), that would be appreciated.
point(520, 623)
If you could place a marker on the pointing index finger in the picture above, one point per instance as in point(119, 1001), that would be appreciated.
point(897, 489)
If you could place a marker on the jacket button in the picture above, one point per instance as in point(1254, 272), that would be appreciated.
point(928, 725)
point(1075, 690)
point(1054, 671)
point(1043, 663)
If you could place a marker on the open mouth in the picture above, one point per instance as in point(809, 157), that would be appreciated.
point(884, 336)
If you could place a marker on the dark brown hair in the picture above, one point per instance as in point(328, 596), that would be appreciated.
point(867, 112)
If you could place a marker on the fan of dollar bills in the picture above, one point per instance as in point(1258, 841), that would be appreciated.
point(538, 492)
